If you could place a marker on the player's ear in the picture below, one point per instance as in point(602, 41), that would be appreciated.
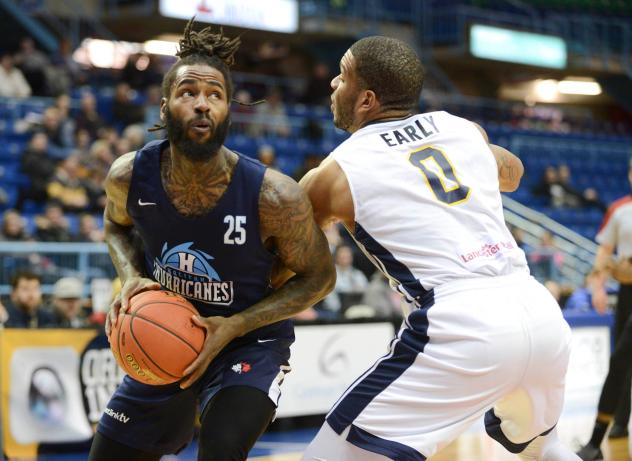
point(163, 109)
point(369, 101)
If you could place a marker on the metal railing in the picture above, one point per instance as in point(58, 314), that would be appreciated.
point(51, 261)
point(579, 252)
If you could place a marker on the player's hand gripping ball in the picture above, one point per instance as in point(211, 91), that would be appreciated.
point(156, 339)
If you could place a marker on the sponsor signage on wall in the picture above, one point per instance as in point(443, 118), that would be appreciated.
point(272, 15)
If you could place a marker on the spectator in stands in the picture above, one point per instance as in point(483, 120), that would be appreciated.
point(38, 166)
point(122, 146)
point(52, 226)
point(68, 303)
point(66, 122)
point(575, 198)
point(12, 81)
point(64, 70)
point(51, 125)
point(334, 239)
point(135, 135)
point(34, 64)
point(266, 155)
point(241, 113)
point(13, 227)
point(350, 282)
point(88, 230)
point(66, 187)
point(101, 156)
point(88, 118)
point(518, 235)
point(385, 301)
point(124, 110)
point(570, 197)
point(546, 259)
point(25, 309)
point(83, 142)
point(318, 91)
point(271, 118)
point(550, 188)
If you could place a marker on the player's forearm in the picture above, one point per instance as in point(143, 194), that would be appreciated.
point(296, 295)
point(125, 256)
point(603, 261)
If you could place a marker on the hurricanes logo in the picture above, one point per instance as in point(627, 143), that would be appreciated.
point(187, 272)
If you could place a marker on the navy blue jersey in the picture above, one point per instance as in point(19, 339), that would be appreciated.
point(217, 260)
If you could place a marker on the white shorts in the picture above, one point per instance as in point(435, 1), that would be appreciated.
point(495, 346)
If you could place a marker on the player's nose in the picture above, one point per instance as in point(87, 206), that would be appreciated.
point(201, 104)
point(335, 81)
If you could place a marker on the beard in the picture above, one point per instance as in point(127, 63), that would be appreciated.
point(191, 149)
point(343, 112)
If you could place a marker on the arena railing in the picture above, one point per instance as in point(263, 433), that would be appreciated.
point(52, 260)
point(579, 252)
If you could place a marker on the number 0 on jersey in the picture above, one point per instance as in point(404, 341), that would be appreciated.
point(440, 175)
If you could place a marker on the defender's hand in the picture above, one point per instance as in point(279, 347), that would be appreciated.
point(219, 332)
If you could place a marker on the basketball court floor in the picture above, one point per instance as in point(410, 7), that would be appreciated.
point(471, 446)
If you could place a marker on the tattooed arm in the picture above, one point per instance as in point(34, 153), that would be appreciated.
point(510, 168)
point(117, 223)
point(286, 221)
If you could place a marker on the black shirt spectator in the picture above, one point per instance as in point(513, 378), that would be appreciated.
point(13, 228)
point(39, 167)
point(52, 226)
point(88, 118)
point(34, 64)
point(124, 111)
point(25, 309)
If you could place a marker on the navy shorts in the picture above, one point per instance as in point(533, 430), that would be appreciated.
point(160, 419)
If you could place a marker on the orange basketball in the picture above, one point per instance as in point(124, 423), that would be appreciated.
point(156, 340)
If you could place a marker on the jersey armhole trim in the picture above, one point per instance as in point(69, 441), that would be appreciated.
point(356, 214)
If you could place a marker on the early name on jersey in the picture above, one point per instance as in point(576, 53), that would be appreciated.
point(418, 130)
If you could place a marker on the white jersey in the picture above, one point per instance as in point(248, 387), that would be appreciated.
point(427, 203)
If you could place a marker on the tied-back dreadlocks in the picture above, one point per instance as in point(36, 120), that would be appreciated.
point(203, 47)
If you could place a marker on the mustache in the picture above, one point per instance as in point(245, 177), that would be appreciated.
point(202, 118)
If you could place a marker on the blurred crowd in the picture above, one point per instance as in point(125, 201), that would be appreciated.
point(70, 145)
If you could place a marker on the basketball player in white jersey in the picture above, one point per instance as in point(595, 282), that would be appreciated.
point(421, 196)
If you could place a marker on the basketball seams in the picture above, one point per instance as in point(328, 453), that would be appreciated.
point(153, 322)
point(179, 333)
point(140, 346)
point(189, 308)
point(118, 342)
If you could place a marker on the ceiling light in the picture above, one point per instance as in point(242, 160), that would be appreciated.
point(587, 87)
point(160, 47)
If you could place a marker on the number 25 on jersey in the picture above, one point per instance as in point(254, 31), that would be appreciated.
point(440, 175)
point(235, 232)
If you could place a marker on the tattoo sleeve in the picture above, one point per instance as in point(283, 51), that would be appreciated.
point(286, 217)
point(117, 223)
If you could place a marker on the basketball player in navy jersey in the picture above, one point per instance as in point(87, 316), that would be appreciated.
point(212, 224)
point(420, 194)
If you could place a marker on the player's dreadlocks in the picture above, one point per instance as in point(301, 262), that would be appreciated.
point(203, 47)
